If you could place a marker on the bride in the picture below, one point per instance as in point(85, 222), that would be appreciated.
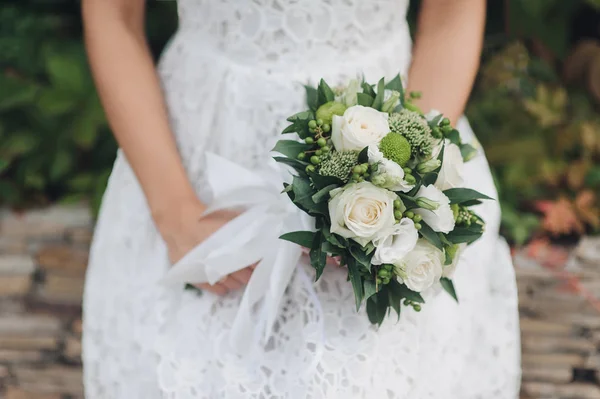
point(228, 79)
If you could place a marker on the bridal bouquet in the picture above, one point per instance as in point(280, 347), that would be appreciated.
point(383, 184)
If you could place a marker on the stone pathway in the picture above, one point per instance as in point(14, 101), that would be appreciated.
point(43, 255)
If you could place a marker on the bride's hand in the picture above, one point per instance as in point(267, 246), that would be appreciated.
point(184, 228)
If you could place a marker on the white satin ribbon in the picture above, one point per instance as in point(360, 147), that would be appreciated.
point(251, 237)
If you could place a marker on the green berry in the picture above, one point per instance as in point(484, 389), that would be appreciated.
point(318, 153)
point(395, 147)
point(418, 226)
point(407, 171)
point(365, 167)
point(321, 142)
point(383, 273)
point(310, 168)
point(447, 129)
point(379, 281)
point(320, 122)
point(301, 156)
point(326, 149)
point(397, 204)
point(436, 132)
point(415, 94)
point(410, 214)
point(417, 218)
point(309, 140)
point(388, 267)
point(312, 124)
point(326, 127)
point(398, 215)
point(445, 122)
point(410, 179)
point(315, 160)
point(358, 170)
point(386, 280)
point(417, 308)
point(355, 176)
point(407, 302)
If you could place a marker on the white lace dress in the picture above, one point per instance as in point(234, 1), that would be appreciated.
point(231, 75)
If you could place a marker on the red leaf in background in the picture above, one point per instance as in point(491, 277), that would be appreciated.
point(586, 206)
point(560, 217)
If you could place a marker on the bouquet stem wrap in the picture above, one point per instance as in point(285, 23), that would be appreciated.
point(252, 237)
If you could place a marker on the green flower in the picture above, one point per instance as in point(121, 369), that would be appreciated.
point(339, 164)
point(414, 127)
point(395, 147)
point(327, 110)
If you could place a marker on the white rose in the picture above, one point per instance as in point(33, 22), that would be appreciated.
point(440, 219)
point(389, 174)
point(450, 175)
point(392, 245)
point(422, 267)
point(449, 269)
point(361, 211)
point(358, 128)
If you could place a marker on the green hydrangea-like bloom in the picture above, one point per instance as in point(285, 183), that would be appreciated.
point(414, 127)
point(395, 147)
point(339, 164)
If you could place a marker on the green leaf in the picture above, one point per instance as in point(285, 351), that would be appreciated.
point(325, 94)
point(370, 288)
point(290, 148)
point(368, 90)
point(321, 182)
point(462, 234)
point(323, 194)
point(462, 195)
point(303, 193)
point(19, 143)
point(378, 102)
point(54, 101)
point(409, 294)
point(4, 164)
point(430, 178)
point(356, 280)
point(361, 256)
point(396, 85)
point(409, 202)
point(454, 137)
point(431, 236)
point(377, 307)
point(334, 239)
point(468, 152)
point(364, 99)
point(61, 165)
point(312, 98)
point(318, 257)
point(363, 155)
point(395, 295)
point(299, 166)
point(67, 70)
point(16, 92)
point(448, 285)
point(303, 115)
point(303, 238)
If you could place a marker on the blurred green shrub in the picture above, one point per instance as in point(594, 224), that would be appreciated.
point(55, 144)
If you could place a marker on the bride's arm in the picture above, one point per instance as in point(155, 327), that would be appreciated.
point(446, 54)
point(131, 95)
point(129, 88)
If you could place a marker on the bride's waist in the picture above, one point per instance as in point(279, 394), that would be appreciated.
point(294, 60)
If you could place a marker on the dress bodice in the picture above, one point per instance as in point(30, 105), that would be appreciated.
point(304, 33)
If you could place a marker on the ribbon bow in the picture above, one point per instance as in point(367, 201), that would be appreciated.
point(251, 237)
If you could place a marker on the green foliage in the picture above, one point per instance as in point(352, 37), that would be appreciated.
point(55, 144)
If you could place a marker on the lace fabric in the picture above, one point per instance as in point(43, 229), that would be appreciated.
point(231, 75)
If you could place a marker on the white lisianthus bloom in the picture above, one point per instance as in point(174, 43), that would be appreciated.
point(451, 268)
point(441, 218)
point(421, 268)
point(389, 174)
point(451, 173)
point(358, 128)
point(392, 245)
point(361, 211)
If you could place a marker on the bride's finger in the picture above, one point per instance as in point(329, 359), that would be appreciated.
point(231, 283)
point(243, 276)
